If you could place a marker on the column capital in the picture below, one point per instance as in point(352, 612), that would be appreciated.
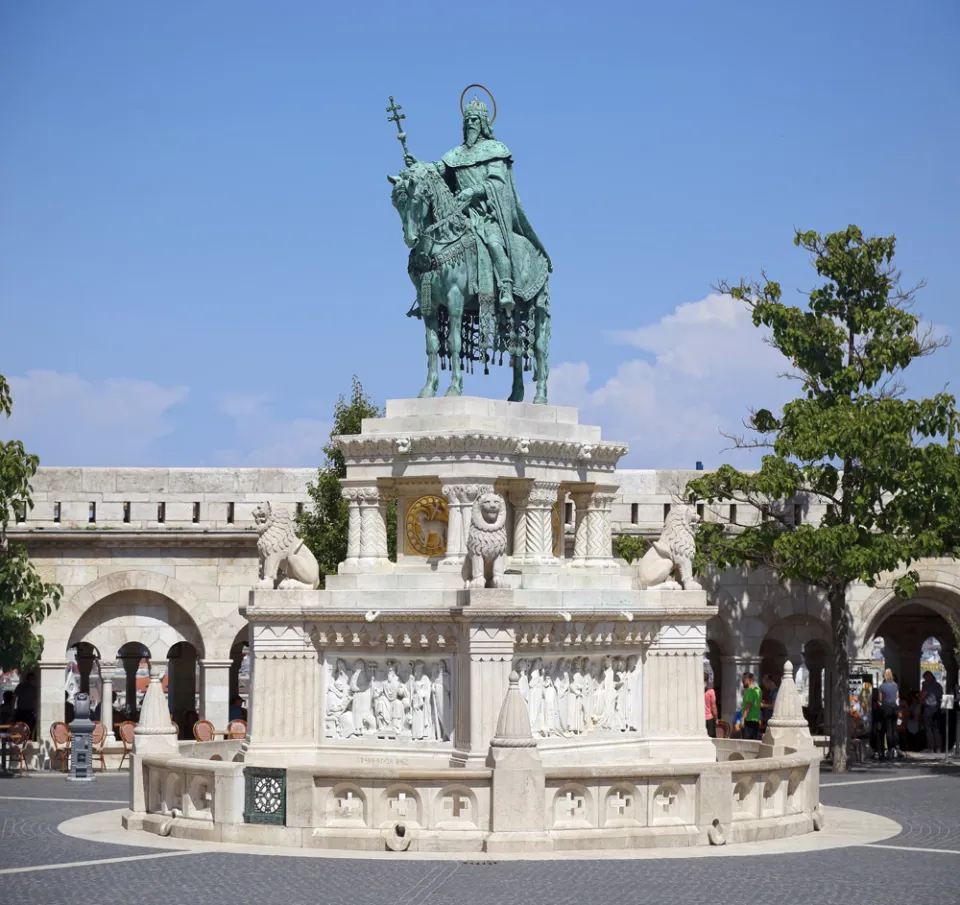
point(543, 494)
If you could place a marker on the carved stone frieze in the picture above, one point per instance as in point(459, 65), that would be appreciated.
point(361, 448)
point(391, 698)
point(572, 696)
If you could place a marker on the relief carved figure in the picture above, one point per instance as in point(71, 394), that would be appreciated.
point(285, 561)
point(487, 543)
point(672, 552)
point(572, 696)
point(388, 699)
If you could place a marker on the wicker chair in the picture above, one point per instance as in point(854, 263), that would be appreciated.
point(126, 730)
point(19, 739)
point(97, 741)
point(237, 729)
point(203, 731)
point(60, 735)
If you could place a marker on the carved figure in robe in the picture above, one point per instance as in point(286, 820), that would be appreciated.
point(364, 719)
point(633, 694)
point(576, 722)
point(551, 707)
point(561, 681)
point(523, 683)
point(622, 694)
point(608, 701)
point(422, 720)
point(440, 709)
point(536, 697)
point(396, 697)
point(339, 697)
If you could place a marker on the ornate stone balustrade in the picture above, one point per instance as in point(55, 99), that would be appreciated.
point(452, 809)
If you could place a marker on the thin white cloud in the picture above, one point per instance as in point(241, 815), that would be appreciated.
point(67, 420)
point(266, 440)
point(705, 365)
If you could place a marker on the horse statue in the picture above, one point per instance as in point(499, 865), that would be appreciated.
point(464, 319)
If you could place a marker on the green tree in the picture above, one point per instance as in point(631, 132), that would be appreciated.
point(630, 546)
point(25, 599)
point(885, 467)
point(324, 526)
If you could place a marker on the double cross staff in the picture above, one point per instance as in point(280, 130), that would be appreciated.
point(397, 116)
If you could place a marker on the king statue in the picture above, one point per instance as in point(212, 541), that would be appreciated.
point(480, 270)
point(480, 171)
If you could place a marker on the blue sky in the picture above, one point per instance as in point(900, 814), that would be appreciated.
point(198, 247)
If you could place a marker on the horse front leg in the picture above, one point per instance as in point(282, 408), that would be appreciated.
point(455, 312)
point(542, 348)
point(433, 348)
point(516, 361)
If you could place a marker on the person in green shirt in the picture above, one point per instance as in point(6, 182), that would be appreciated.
point(752, 700)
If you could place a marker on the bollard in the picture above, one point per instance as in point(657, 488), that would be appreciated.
point(81, 741)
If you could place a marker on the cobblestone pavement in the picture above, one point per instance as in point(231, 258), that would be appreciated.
point(923, 861)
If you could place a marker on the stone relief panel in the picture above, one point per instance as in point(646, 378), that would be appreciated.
point(374, 697)
point(622, 807)
point(574, 696)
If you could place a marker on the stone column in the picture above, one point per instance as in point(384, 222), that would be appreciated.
point(50, 702)
point(215, 694)
point(460, 500)
point(733, 670)
point(456, 536)
point(542, 498)
point(352, 496)
point(107, 670)
point(483, 664)
point(84, 668)
point(286, 700)
point(373, 527)
point(520, 499)
point(130, 665)
point(593, 543)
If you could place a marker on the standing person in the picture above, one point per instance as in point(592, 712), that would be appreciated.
point(889, 696)
point(770, 691)
point(710, 707)
point(752, 700)
point(26, 695)
point(931, 694)
point(876, 724)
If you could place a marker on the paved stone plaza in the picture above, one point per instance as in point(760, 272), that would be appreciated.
point(41, 865)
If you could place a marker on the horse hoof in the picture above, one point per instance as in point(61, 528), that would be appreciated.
point(428, 392)
point(540, 399)
point(454, 391)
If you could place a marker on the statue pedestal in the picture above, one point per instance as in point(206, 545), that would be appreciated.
point(375, 702)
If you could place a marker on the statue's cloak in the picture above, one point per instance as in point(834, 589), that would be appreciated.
point(530, 264)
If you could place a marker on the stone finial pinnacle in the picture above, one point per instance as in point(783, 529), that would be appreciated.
point(513, 726)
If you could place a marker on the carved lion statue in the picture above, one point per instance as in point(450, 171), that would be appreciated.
point(672, 551)
point(487, 543)
point(285, 561)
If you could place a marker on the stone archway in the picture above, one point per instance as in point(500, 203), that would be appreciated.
point(59, 630)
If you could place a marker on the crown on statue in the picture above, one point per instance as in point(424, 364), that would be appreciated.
point(475, 107)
